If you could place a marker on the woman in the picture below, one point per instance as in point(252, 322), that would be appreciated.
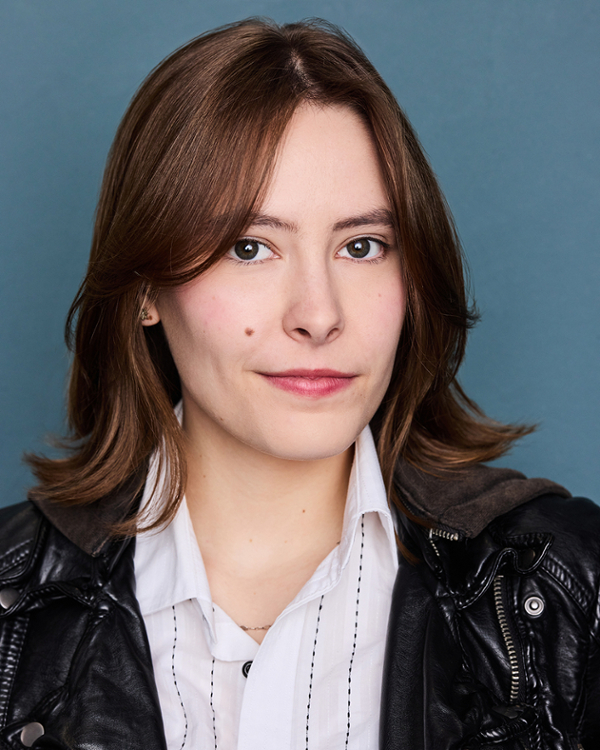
point(264, 409)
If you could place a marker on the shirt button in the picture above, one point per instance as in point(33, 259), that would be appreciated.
point(246, 668)
point(31, 732)
point(8, 597)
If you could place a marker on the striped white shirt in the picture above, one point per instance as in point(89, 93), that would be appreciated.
point(315, 681)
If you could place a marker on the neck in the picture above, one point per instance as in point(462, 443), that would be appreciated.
point(239, 496)
point(263, 523)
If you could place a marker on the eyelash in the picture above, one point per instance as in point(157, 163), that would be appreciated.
point(240, 262)
point(385, 246)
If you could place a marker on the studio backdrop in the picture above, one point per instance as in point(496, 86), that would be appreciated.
point(505, 97)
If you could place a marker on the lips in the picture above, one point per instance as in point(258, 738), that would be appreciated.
point(310, 383)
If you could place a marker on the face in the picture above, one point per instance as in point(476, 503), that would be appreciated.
point(286, 345)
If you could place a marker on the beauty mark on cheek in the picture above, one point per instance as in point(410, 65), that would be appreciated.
point(249, 331)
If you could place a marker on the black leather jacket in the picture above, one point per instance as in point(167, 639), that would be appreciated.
point(493, 639)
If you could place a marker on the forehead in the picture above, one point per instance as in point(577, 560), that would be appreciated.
point(326, 161)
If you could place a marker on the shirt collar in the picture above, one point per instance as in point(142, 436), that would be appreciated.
point(169, 566)
point(366, 494)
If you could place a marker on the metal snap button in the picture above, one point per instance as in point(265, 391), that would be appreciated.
point(534, 606)
point(246, 668)
point(8, 597)
point(31, 732)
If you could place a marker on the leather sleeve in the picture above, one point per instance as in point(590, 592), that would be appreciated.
point(589, 731)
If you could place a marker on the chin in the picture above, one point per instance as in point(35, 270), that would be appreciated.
point(309, 442)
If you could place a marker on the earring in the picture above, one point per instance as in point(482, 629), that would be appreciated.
point(144, 314)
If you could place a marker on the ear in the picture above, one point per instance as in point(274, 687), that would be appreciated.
point(149, 315)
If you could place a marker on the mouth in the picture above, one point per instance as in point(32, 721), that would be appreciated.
point(310, 383)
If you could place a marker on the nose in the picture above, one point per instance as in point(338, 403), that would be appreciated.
point(313, 312)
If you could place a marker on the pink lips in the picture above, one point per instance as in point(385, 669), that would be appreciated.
point(311, 383)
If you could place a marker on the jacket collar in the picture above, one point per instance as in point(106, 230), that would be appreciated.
point(464, 501)
point(467, 500)
point(89, 526)
point(466, 506)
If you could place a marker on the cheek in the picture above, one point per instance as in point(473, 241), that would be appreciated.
point(207, 323)
point(382, 319)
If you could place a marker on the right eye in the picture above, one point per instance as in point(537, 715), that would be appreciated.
point(247, 250)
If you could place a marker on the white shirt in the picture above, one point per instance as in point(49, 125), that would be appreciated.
point(315, 681)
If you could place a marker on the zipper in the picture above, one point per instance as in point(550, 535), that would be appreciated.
point(508, 639)
point(509, 642)
point(451, 536)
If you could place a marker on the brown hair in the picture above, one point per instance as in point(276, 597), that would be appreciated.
point(188, 167)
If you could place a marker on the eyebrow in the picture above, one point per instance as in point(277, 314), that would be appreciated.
point(379, 217)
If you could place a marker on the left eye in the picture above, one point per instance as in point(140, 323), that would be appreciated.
point(364, 247)
point(249, 250)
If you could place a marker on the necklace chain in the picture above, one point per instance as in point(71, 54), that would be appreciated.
point(266, 627)
point(245, 628)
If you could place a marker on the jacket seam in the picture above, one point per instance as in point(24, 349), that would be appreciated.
point(594, 640)
point(451, 622)
point(37, 542)
point(19, 557)
point(89, 627)
point(5, 572)
point(47, 701)
point(580, 703)
point(595, 615)
point(24, 619)
point(16, 547)
point(568, 583)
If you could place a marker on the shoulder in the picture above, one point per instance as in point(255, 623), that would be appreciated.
point(20, 527)
point(548, 535)
point(572, 527)
point(570, 518)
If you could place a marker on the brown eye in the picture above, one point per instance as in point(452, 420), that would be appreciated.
point(359, 248)
point(363, 248)
point(246, 249)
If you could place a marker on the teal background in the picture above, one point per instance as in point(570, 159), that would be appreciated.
point(505, 97)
